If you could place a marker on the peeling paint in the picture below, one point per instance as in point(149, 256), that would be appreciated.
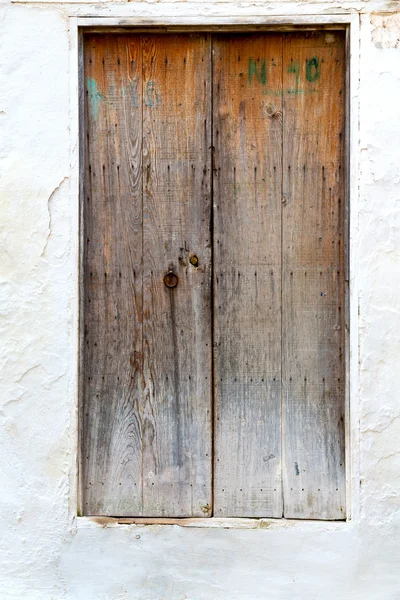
point(386, 30)
point(95, 97)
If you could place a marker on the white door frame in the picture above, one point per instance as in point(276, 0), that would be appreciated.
point(166, 16)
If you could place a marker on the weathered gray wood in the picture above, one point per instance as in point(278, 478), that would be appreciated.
point(112, 211)
point(247, 130)
point(177, 321)
point(313, 310)
point(147, 362)
point(82, 259)
point(147, 349)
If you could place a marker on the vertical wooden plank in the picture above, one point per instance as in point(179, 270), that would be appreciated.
point(247, 134)
point(82, 259)
point(112, 214)
point(313, 368)
point(176, 326)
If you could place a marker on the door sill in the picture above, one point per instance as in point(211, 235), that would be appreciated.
point(206, 523)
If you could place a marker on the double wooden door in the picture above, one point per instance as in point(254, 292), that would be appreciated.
point(213, 275)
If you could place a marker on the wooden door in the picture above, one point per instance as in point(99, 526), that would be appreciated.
point(213, 275)
point(147, 347)
point(313, 278)
point(247, 133)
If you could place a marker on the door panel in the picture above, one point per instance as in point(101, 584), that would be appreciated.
point(247, 184)
point(147, 349)
point(112, 245)
point(176, 231)
point(313, 312)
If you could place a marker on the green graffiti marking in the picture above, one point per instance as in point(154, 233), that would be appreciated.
point(135, 99)
point(294, 67)
point(95, 97)
point(312, 69)
point(151, 97)
point(259, 73)
point(288, 91)
point(134, 96)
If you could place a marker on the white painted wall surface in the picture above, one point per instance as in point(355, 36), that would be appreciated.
point(46, 553)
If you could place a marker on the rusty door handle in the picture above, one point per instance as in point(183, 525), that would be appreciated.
point(171, 280)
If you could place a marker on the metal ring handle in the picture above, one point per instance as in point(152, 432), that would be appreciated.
point(171, 280)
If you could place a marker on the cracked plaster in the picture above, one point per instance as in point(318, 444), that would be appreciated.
point(45, 552)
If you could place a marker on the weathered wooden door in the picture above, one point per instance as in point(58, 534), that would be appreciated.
point(213, 275)
point(147, 363)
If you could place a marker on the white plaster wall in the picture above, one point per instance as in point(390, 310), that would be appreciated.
point(46, 553)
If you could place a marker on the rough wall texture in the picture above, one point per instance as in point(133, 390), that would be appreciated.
point(45, 552)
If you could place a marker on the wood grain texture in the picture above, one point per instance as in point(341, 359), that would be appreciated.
point(177, 348)
point(313, 367)
point(112, 211)
point(147, 361)
point(273, 107)
point(247, 134)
